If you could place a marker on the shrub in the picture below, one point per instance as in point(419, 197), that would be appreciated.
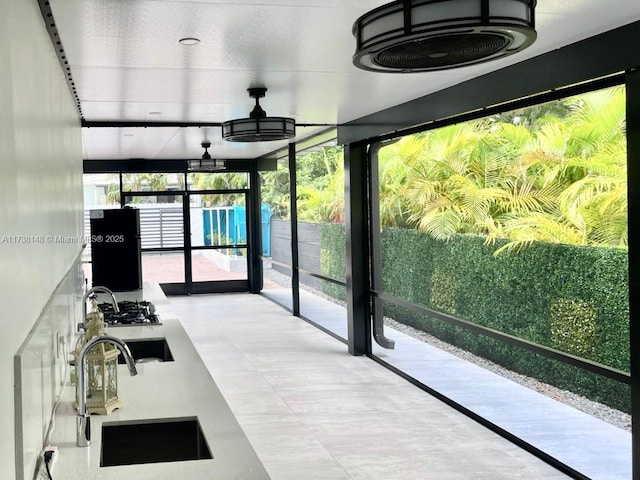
point(572, 298)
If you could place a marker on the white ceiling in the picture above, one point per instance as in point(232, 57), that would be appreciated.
point(126, 62)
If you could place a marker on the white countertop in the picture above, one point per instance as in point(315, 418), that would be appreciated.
point(179, 389)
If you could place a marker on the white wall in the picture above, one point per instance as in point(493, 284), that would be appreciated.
point(40, 188)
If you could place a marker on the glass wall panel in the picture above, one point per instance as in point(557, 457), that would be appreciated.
point(163, 267)
point(216, 220)
point(101, 191)
point(161, 220)
point(321, 241)
point(217, 265)
point(327, 310)
point(152, 182)
point(516, 223)
point(276, 259)
point(217, 181)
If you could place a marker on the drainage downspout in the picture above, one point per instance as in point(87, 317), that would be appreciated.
point(374, 236)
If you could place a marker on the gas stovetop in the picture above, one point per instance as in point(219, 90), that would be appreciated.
point(131, 313)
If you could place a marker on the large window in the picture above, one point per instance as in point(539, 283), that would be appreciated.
point(194, 227)
point(317, 258)
point(320, 214)
point(504, 272)
point(277, 261)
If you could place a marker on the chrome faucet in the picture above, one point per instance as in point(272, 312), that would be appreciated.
point(83, 420)
point(88, 294)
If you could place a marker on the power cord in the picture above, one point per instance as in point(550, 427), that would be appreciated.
point(48, 456)
point(52, 421)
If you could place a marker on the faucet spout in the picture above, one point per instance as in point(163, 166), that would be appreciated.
point(83, 420)
point(93, 290)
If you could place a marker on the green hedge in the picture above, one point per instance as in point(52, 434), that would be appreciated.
point(571, 298)
point(332, 258)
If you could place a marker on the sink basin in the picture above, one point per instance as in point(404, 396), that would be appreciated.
point(148, 350)
point(153, 441)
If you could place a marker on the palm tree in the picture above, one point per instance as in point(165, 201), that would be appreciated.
point(560, 180)
point(220, 181)
point(321, 197)
point(585, 157)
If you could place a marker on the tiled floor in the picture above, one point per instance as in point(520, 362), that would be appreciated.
point(591, 446)
point(313, 411)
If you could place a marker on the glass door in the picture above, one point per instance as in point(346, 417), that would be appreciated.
point(162, 237)
point(218, 225)
point(195, 228)
point(217, 256)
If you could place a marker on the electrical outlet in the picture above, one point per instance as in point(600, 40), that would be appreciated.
point(42, 471)
point(61, 344)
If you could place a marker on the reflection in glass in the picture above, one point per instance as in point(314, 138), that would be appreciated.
point(218, 220)
point(321, 240)
point(277, 273)
point(163, 267)
point(219, 265)
point(101, 191)
point(152, 182)
point(274, 190)
point(218, 181)
point(161, 220)
point(327, 311)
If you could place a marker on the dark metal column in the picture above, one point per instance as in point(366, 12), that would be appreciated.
point(633, 194)
point(254, 232)
point(186, 241)
point(293, 207)
point(357, 255)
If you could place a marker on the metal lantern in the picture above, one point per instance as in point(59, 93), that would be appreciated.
point(102, 379)
point(102, 367)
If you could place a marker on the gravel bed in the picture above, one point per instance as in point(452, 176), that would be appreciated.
point(603, 412)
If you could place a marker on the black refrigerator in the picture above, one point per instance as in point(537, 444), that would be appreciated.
point(116, 256)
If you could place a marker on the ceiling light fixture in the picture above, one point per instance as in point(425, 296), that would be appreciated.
point(428, 35)
point(206, 163)
point(189, 41)
point(258, 127)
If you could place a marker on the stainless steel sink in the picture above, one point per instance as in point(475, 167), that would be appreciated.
point(153, 441)
point(148, 350)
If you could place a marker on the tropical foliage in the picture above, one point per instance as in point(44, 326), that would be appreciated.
point(320, 187)
point(219, 181)
point(554, 172)
point(163, 182)
point(552, 177)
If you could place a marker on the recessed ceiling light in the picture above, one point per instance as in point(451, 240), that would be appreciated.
point(189, 41)
point(155, 113)
point(128, 134)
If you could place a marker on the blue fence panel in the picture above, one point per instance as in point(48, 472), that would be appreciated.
point(265, 211)
point(214, 222)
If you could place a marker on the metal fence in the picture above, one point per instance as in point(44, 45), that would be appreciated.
point(160, 227)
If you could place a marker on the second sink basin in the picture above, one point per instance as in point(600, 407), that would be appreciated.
point(153, 441)
point(148, 350)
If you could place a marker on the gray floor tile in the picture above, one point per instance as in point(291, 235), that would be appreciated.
point(313, 411)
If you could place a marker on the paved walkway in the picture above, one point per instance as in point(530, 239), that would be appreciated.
point(586, 444)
